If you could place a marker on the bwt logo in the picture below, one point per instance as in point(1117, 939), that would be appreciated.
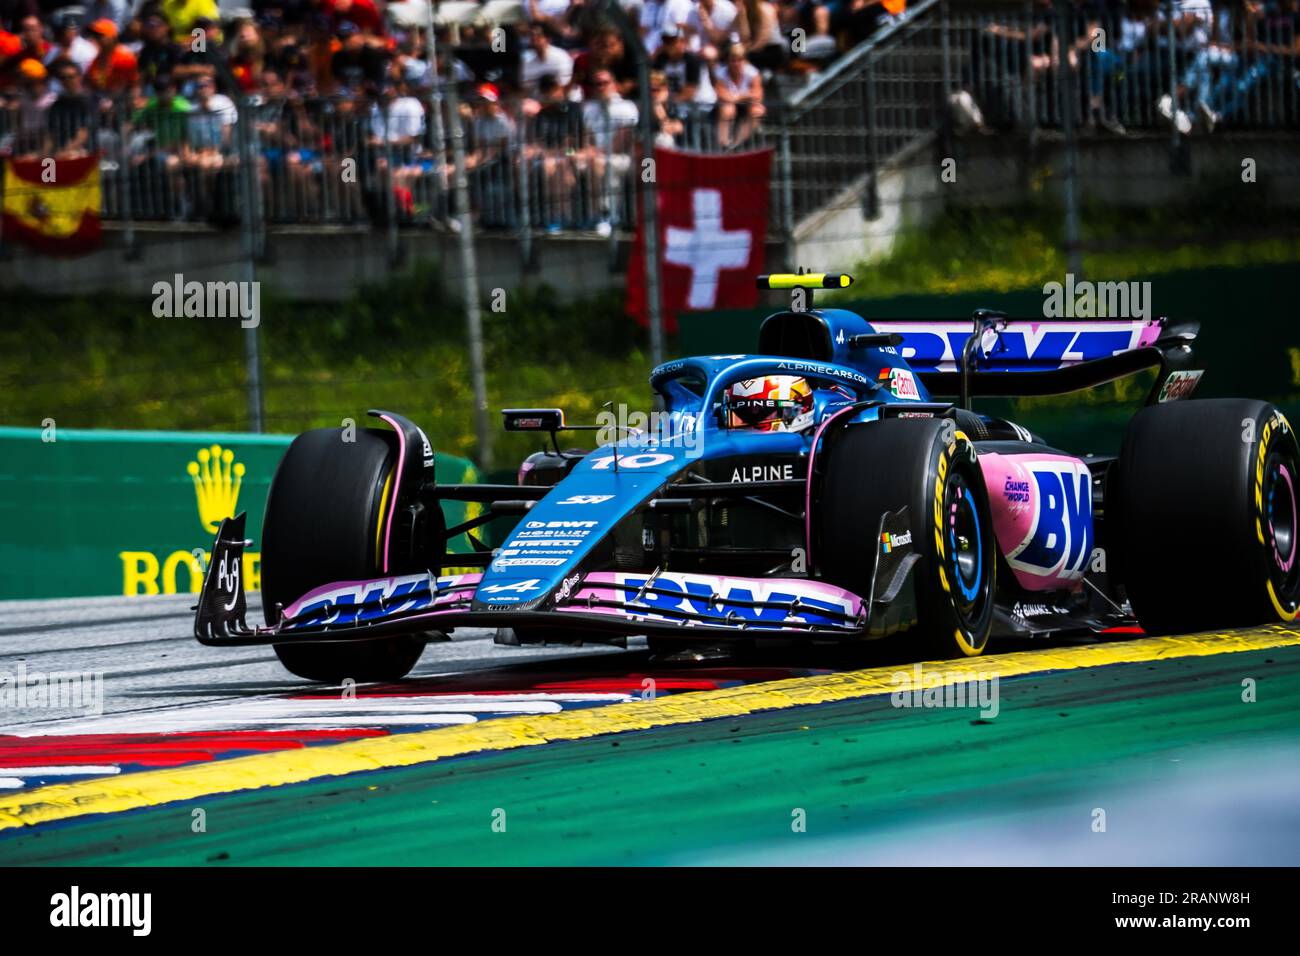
point(699, 597)
point(1042, 346)
point(1060, 541)
point(354, 603)
point(367, 600)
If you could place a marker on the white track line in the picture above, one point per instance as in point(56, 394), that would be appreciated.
point(174, 723)
point(59, 771)
point(573, 697)
point(349, 712)
point(288, 708)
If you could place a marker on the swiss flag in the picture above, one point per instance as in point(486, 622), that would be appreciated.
point(712, 229)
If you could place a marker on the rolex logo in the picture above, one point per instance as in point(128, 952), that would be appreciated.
point(217, 478)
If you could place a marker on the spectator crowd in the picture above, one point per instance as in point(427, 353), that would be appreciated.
point(334, 100)
point(1192, 64)
point(342, 92)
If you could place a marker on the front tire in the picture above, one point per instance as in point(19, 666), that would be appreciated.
point(931, 468)
point(323, 515)
point(1208, 528)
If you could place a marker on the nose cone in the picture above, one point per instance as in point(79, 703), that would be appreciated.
point(562, 529)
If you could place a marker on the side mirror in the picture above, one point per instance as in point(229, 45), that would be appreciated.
point(548, 420)
point(875, 340)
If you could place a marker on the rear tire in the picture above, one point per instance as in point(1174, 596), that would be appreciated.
point(1207, 529)
point(323, 513)
point(882, 466)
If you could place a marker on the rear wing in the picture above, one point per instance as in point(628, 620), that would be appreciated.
point(997, 355)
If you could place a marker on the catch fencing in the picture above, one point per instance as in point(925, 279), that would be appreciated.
point(561, 166)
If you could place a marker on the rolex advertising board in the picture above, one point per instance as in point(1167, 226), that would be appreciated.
point(111, 513)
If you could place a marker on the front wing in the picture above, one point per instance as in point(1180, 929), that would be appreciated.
point(661, 602)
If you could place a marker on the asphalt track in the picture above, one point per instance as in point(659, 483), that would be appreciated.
point(492, 755)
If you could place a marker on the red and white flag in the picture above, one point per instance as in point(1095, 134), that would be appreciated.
point(712, 230)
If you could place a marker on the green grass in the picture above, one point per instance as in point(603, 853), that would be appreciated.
point(967, 250)
point(108, 362)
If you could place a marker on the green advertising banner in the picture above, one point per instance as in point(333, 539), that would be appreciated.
point(105, 512)
point(1248, 346)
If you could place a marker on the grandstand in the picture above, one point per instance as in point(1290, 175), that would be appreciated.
point(341, 110)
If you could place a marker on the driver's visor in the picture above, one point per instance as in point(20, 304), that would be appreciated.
point(757, 412)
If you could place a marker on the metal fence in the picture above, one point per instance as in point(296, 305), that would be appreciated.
point(1023, 67)
point(879, 101)
point(1017, 66)
point(1140, 68)
point(341, 161)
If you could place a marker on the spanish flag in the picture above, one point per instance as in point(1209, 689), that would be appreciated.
point(52, 205)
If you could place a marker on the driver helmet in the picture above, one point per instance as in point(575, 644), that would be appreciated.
point(773, 403)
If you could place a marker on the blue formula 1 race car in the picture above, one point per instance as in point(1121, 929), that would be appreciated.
point(815, 491)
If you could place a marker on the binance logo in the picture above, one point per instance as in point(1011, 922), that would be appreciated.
point(217, 477)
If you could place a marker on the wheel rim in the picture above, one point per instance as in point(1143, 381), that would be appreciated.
point(1282, 533)
point(966, 564)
